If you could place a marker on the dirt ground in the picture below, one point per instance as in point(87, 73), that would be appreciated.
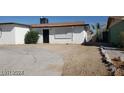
point(79, 60)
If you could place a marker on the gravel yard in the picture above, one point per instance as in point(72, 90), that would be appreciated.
point(46, 59)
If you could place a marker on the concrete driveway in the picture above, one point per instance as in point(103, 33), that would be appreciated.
point(48, 59)
point(27, 60)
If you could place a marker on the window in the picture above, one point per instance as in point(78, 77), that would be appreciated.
point(63, 33)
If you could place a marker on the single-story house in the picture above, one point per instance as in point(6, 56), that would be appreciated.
point(13, 33)
point(115, 28)
point(62, 33)
point(53, 33)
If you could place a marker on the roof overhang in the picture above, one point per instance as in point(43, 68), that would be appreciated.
point(50, 25)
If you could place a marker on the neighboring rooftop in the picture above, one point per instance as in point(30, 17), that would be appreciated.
point(7, 23)
point(113, 20)
point(58, 25)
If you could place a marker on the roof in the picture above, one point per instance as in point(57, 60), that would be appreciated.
point(7, 23)
point(58, 25)
point(114, 20)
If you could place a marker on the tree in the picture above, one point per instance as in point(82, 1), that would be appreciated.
point(98, 33)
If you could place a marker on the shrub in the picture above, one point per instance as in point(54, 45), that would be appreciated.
point(31, 37)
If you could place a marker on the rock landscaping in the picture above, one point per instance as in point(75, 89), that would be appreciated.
point(113, 59)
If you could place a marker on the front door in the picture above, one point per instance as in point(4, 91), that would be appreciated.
point(46, 36)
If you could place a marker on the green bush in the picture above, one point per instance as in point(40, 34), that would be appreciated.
point(31, 37)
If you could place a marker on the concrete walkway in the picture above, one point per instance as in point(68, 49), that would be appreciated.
point(115, 52)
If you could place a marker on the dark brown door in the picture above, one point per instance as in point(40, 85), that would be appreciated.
point(46, 36)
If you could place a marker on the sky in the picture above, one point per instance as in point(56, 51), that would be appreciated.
point(53, 19)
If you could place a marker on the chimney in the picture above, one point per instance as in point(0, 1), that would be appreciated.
point(44, 20)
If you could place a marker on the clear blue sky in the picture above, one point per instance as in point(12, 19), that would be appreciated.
point(35, 19)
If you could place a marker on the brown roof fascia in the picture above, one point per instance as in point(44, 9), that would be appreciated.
point(58, 25)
